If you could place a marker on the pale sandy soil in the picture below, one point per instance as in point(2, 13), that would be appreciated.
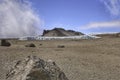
point(80, 59)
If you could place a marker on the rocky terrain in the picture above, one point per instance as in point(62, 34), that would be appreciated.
point(92, 59)
point(60, 32)
point(34, 68)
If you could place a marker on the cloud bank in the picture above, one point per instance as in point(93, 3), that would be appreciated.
point(94, 25)
point(113, 6)
point(17, 19)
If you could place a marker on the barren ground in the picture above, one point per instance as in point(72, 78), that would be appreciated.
point(80, 59)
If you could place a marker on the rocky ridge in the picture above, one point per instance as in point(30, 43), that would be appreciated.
point(33, 68)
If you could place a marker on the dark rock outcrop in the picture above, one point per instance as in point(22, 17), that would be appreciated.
point(5, 43)
point(30, 45)
point(60, 32)
point(61, 46)
point(33, 68)
point(118, 34)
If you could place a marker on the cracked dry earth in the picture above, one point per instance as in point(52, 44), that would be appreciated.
point(97, 59)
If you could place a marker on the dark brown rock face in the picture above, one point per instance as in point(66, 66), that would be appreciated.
point(5, 43)
point(33, 68)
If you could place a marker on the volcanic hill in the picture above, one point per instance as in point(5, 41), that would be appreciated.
point(61, 32)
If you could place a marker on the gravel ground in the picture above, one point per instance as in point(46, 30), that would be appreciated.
point(80, 59)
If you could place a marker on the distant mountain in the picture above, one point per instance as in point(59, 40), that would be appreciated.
point(117, 34)
point(61, 32)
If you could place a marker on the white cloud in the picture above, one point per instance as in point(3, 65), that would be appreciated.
point(95, 25)
point(17, 18)
point(113, 6)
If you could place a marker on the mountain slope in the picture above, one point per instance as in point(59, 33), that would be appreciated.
point(61, 32)
point(117, 34)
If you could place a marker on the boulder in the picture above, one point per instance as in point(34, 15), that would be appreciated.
point(118, 34)
point(30, 45)
point(33, 68)
point(61, 46)
point(5, 43)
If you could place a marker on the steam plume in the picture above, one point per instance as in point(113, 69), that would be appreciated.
point(17, 18)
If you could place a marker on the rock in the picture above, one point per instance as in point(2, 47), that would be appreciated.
point(33, 68)
point(30, 45)
point(61, 46)
point(40, 44)
point(5, 43)
point(118, 34)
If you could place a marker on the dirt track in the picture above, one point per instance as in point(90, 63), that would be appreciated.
point(80, 59)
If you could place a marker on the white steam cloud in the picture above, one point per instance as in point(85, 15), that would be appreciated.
point(113, 6)
point(17, 19)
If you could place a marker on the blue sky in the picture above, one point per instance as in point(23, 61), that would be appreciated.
point(87, 16)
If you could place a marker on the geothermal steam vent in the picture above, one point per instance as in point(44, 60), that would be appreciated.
point(33, 68)
point(18, 18)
